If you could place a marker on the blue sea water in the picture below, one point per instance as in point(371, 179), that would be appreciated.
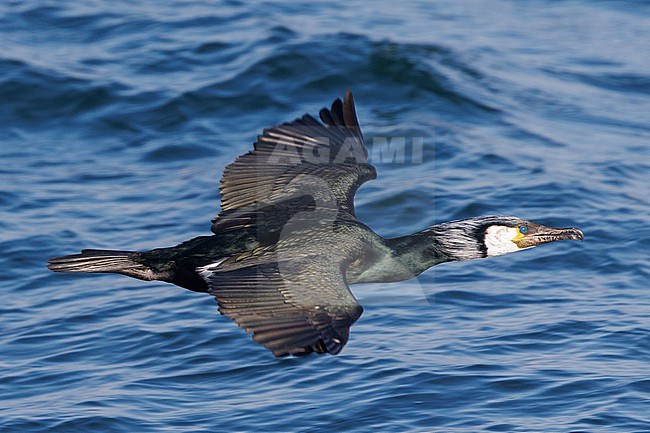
point(116, 119)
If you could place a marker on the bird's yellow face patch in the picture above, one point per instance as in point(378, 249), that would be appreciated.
point(518, 238)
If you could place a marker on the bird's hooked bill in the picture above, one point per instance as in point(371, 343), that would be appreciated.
point(540, 234)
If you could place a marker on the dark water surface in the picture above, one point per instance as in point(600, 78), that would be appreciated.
point(116, 119)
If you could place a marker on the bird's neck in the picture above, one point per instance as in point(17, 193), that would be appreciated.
point(408, 256)
point(437, 244)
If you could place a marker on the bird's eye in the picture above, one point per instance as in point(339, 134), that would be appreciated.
point(523, 229)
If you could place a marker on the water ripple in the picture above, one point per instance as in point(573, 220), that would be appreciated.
point(117, 123)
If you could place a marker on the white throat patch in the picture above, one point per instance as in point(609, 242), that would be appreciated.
point(498, 240)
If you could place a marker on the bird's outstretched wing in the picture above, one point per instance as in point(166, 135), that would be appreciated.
point(292, 307)
point(328, 161)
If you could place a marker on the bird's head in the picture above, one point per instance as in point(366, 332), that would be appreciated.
point(508, 234)
point(491, 236)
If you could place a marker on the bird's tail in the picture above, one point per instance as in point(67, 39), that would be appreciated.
point(103, 261)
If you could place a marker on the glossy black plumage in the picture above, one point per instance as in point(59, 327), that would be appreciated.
point(286, 243)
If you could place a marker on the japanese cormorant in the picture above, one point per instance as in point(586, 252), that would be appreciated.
point(286, 243)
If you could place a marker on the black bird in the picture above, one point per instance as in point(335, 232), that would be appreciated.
point(287, 244)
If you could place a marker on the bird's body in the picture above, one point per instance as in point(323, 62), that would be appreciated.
point(287, 243)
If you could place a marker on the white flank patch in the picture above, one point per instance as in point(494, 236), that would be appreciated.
point(498, 240)
point(207, 270)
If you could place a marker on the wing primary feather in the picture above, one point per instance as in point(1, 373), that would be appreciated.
point(326, 116)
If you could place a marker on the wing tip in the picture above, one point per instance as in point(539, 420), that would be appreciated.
point(319, 347)
point(348, 99)
point(342, 113)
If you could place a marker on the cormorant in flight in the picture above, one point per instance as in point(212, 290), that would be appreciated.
point(286, 243)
